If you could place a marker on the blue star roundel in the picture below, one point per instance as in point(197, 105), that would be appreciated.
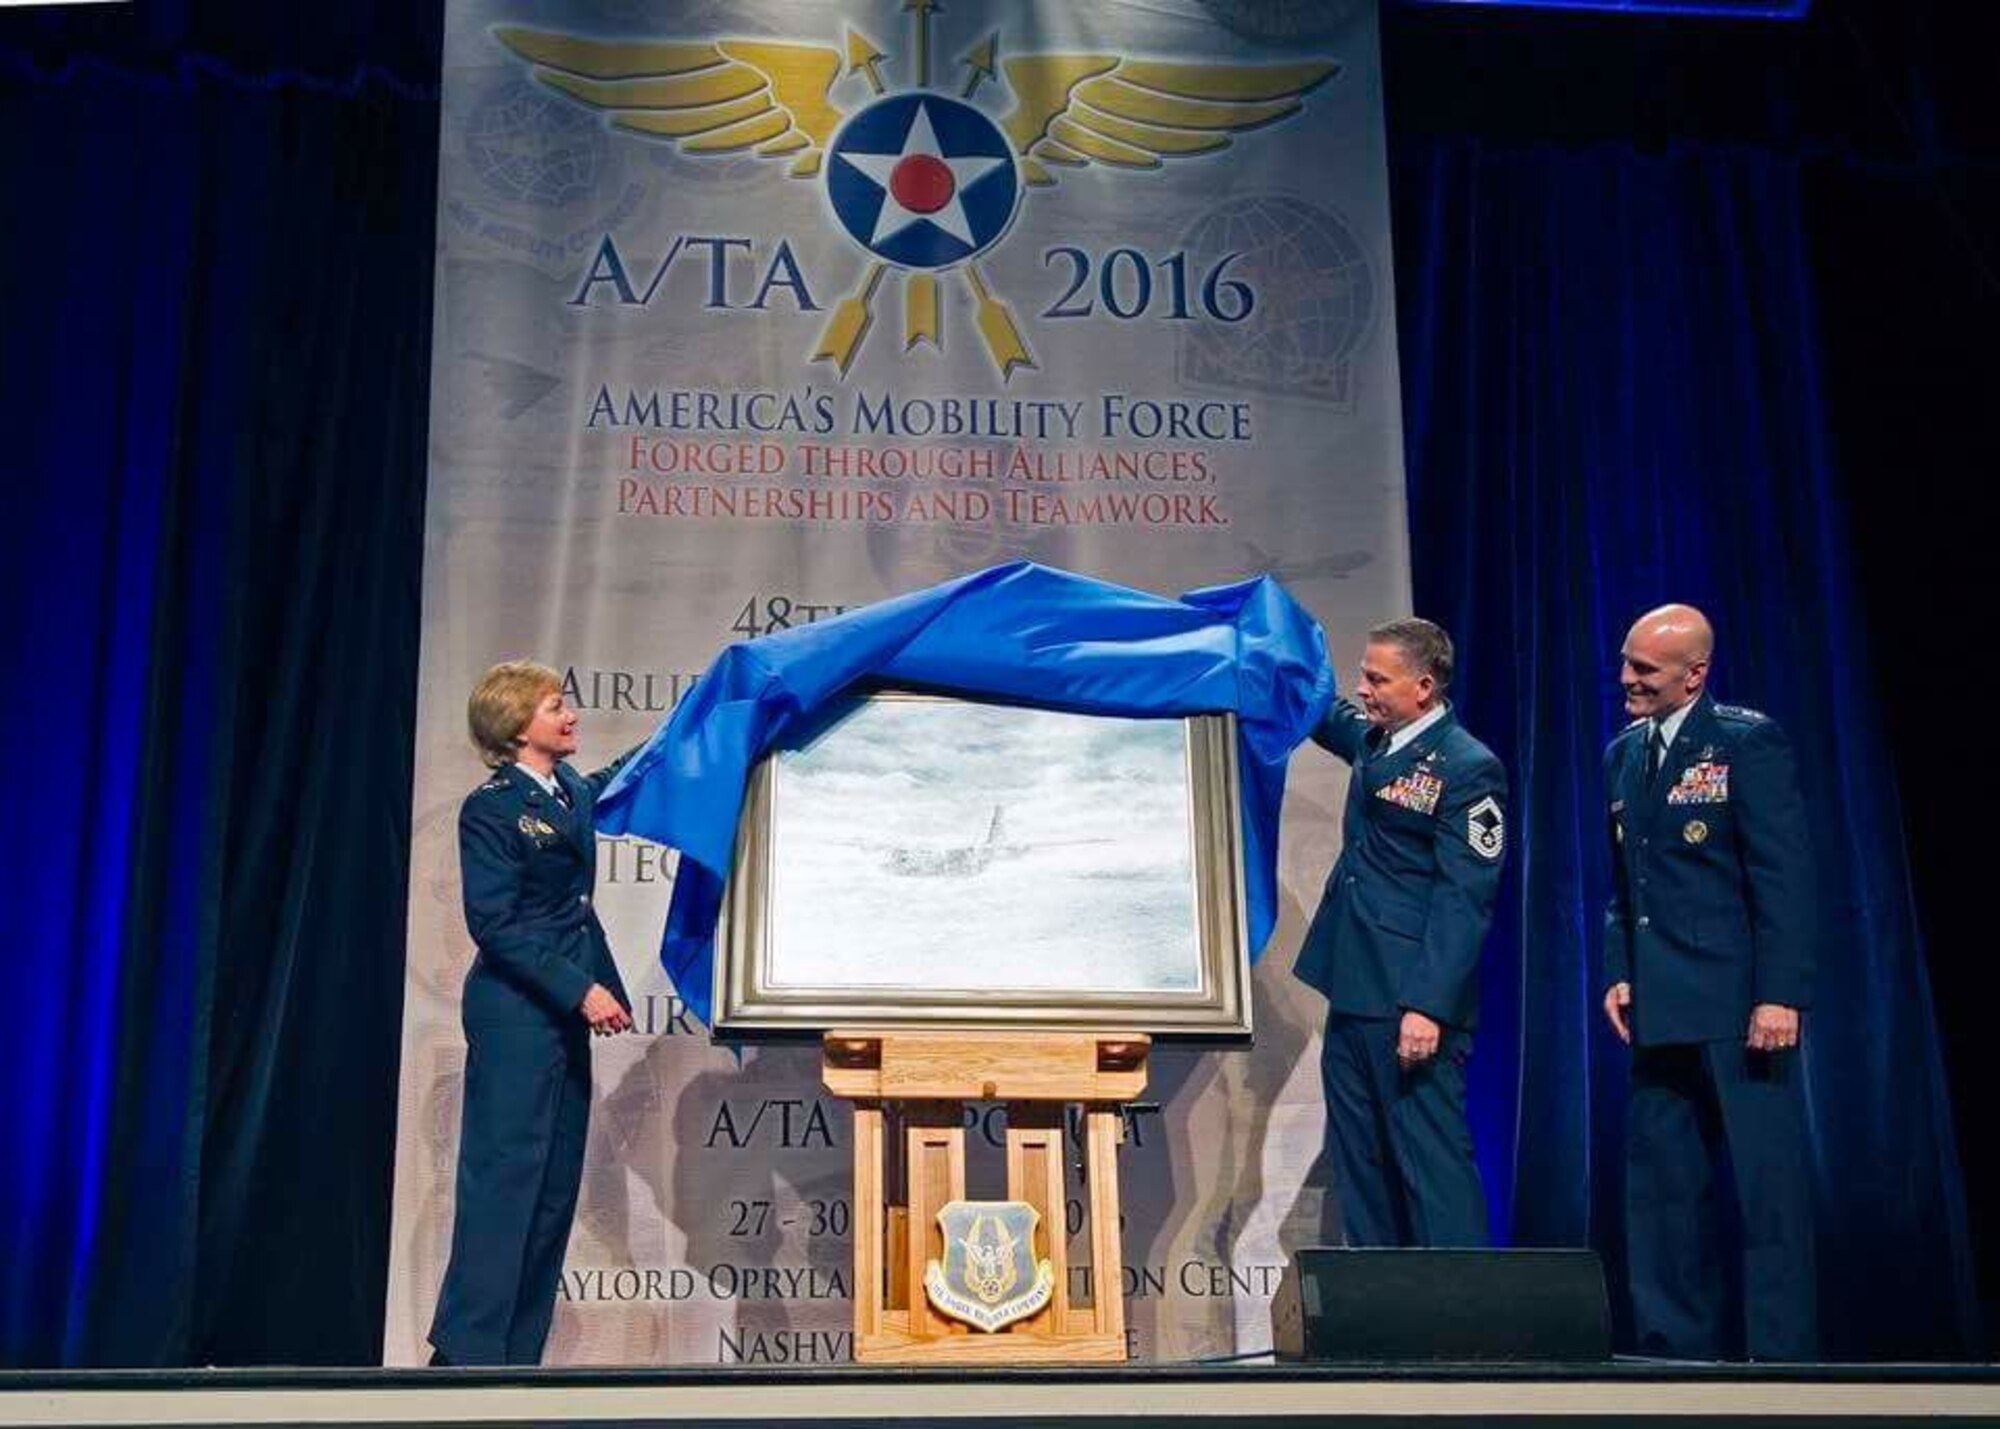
point(922, 180)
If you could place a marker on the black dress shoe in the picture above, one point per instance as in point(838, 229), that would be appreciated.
point(438, 1361)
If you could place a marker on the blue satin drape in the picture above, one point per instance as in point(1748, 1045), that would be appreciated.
point(1019, 631)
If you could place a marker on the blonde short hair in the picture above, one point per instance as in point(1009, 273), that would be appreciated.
point(502, 703)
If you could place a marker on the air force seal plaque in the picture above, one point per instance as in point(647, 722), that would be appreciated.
point(989, 1277)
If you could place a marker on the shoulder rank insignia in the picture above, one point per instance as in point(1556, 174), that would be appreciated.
point(1486, 828)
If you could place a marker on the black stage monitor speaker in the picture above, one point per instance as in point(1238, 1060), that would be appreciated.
point(1402, 1305)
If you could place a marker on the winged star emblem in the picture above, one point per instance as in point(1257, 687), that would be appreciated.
point(925, 183)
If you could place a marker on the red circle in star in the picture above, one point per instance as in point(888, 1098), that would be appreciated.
point(921, 183)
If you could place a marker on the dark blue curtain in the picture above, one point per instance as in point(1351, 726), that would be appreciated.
point(1612, 400)
point(217, 287)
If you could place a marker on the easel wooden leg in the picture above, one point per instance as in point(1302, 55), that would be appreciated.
point(1107, 1262)
point(936, 1169)
point(896, 1192)
point(870, 1279)
point(1035, 1175)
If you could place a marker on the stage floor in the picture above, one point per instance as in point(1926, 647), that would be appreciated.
point(1620, 1392)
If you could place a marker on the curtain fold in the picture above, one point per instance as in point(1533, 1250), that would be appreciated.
point(214, 366)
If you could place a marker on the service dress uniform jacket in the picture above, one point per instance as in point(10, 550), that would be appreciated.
point(528, 864)
point(1400, 928)
point(1712, 913)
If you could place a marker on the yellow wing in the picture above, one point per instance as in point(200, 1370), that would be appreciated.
point(710, 98)
point(1081, 109)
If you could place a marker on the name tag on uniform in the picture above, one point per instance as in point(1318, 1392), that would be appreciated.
point(1703, 783)
point(1417, 791)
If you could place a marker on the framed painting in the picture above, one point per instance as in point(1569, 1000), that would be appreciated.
point(926, 861)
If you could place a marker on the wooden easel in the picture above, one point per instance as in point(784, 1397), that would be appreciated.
point(913, 1086)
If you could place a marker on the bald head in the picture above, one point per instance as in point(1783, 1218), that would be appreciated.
point(1665, 660)
point(1678, 629)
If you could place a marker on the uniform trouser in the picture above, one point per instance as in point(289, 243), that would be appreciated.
point(1397, 1138)
point(1694, 1108)
point(520, 1163)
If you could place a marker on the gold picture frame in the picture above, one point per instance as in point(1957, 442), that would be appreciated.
point(1103, 891)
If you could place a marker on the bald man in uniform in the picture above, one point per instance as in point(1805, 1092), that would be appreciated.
point(1708, 941)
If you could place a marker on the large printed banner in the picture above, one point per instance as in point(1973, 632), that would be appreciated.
point(750, 313)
